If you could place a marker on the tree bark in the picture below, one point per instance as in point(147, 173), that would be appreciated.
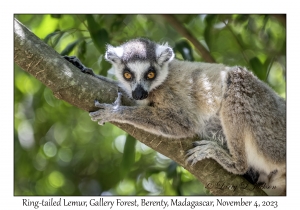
point(69, 84)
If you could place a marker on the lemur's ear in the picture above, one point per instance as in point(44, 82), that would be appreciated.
point(114, 54)
point(164, 54)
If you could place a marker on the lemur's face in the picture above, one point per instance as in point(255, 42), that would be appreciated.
point(139, 78)
point(140, 66)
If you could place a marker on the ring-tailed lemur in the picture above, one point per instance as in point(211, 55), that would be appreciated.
point(178, 99)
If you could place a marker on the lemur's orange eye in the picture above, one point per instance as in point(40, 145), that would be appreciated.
point(127, 75)
point(151, 75)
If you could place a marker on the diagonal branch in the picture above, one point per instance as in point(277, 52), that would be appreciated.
point(186, 33)
point(69, 84)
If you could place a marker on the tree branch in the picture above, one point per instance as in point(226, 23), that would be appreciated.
point(80, 90)
point(184, 32)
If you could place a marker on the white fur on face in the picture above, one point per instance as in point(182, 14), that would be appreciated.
point(164, 54)
point(118, 51)
point(161, 77)
point(139, 69)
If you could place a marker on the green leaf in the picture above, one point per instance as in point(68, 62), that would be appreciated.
point(210, 20)
point(241, 18)
point(81, 50)
point(49, 36)
point(258, 68)
point(57, 38)
point(99, 35)
point(267, 65)
point(69, 48)
point(185, 49)
point(171, 170)
point(168, 189)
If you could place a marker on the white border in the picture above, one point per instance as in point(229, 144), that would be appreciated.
point(154, 6)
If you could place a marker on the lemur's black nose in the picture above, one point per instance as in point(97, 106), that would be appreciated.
point(139, 93)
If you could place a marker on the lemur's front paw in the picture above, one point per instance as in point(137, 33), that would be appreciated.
point(202, 149)
point(104, 114)
point(76, 62)
point(106, 111)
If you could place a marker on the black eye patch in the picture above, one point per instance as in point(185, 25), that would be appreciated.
point(151, 73)
point(127, 74)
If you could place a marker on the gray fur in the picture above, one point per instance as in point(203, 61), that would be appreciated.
point(139, 50)
point(136, 50)
point(241, 119)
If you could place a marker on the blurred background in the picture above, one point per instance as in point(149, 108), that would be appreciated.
point(58, 150)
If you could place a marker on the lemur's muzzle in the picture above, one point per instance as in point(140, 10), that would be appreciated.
point(139, 93)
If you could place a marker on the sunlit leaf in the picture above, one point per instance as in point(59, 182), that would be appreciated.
point(168, 189)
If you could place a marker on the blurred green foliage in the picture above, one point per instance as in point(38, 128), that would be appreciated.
point(58, 150)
